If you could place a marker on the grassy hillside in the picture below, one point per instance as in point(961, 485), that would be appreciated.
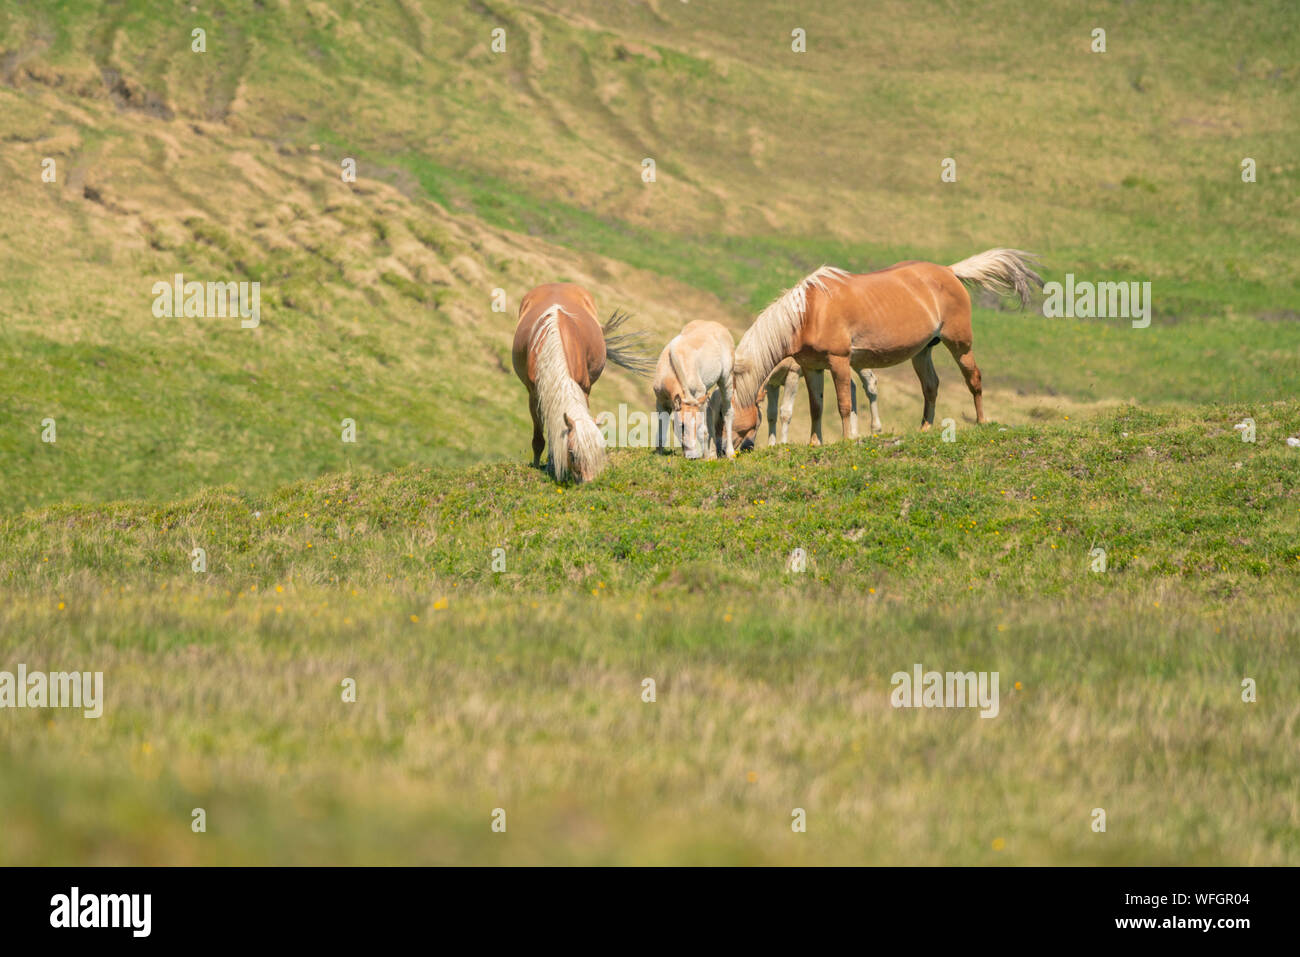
point(482, 688)
point(521, 689)
point(481, 170)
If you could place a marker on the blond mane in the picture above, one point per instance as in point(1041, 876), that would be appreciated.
point(558, 395)
point(768, 340)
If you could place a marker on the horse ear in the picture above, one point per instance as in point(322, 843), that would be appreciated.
point(568, 421)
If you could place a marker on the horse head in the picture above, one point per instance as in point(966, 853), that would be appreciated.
point(693, 423)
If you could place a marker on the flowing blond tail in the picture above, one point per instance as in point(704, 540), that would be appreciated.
point(1003, 270)
point(623, 348)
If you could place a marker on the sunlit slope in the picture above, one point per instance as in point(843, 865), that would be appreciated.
point(480, 170)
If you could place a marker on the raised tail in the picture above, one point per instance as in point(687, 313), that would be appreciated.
point(624, 348)
point(1003, 270)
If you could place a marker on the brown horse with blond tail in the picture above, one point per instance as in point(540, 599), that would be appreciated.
point(559, 352)
point(846, 322)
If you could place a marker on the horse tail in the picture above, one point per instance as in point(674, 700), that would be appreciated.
point(624, 348)
point(1002, 270)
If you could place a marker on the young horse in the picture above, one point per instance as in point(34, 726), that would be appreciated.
point(783, 385)
point(700, 357)
point(845, 322)
point(559, 352)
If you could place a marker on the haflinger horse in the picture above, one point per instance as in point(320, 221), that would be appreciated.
point(559, 352)
point(701, 356)
point(848, 322)
point(782, 387)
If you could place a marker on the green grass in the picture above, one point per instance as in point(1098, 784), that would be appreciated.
point(1162, 492)
point(520, 688)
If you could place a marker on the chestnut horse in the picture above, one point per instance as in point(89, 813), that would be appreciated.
point(844, 322)
point(559, 352)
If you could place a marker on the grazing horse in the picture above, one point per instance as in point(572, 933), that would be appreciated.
point(559, 352)
point(844, 322)
point(701, 356)
point(782, 386)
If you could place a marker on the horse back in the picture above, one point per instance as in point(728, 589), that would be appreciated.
point(882, 317)
point(580, 332)
point(913, 278)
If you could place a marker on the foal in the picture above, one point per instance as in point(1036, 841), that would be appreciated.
point(700, 357)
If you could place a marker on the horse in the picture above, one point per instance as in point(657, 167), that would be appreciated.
point(559, 352)
point(846, 322)
point(700, 357)
point(782, 386)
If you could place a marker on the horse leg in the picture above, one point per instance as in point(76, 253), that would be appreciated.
point(924, 367)
point(788, 394)
point(729, 431)
point(663, 421)
point(868, 378)
point(539, 437)
point(711, 439)
point(773, 400)
point(842, 378)
point(813, 379)
point(966, 359)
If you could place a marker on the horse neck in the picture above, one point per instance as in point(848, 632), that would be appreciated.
point(771, 338)
point(762, 348)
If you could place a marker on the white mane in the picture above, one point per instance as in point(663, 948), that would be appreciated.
point(558, 394)
point(768, 340)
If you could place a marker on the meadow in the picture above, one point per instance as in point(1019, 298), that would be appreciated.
point(499, 627)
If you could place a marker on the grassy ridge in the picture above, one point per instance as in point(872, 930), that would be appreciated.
point(1168, 495)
